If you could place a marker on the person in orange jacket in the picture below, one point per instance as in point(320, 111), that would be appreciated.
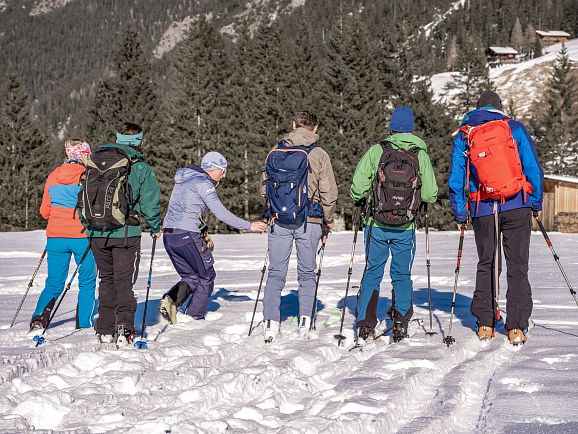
point(65, 237)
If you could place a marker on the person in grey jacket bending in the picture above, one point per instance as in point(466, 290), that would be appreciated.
point(185, 237)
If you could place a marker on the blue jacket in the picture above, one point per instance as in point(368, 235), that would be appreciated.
point(194, 192)
point(530, 166)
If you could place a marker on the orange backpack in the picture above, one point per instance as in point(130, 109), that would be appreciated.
point(493, 152)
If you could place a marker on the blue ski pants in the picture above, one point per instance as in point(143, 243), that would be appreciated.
point(379, 243)
point(59, 251)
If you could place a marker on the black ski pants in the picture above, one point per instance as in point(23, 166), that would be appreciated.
point(515, 229)
point(117, 264)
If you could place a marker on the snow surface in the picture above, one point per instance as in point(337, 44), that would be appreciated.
point(439, 18)
point(522, 82)
point(208, 376)
point(42, 7)
point(176, 33)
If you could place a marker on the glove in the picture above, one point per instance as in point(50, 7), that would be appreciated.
point(359, 211)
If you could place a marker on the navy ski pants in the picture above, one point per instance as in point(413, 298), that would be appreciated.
point(194, 263)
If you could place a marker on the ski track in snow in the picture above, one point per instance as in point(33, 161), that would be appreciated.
point(209, 376)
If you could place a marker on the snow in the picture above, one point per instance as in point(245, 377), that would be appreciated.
point(503, 50)
point(209, 376)
point(439, 18)
point(42, 7)
point(176, 33)
point(570, 179)
point(552, 33)
point(523, 82)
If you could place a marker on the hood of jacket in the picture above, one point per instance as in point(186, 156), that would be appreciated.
point(133, 153)
point(68, 173)
point(194, 171)
point(407, 141)
point(482, 115)
point(300, 137)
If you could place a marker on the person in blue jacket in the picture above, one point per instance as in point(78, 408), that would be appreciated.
point(514, 224)
point(185, 237)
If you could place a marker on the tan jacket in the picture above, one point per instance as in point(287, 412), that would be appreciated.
point(322, 187)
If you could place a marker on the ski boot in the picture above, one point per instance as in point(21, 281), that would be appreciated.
point(485, 333)
point(517, 337)
point(270, 330)
point(124, 336)
point(168, 309)
point(304, 326)
point(365, 334)
point(399, 331)
point(35, 325)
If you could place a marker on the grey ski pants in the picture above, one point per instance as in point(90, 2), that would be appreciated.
point(280, 246)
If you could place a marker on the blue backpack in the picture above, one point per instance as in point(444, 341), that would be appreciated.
point(287, 199)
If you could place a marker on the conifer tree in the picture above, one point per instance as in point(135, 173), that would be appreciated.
point(25, 158)
point(125, 92)
point(473, 78)
point(557, 129)
point(517, 36)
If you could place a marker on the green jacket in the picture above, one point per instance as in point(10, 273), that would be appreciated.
point(367, 168)
point(146, 192)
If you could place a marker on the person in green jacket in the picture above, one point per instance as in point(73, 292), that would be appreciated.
point(117, 251)
point(398, 237)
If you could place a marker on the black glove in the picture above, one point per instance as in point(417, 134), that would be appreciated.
point(360, 203)
point(359, 211)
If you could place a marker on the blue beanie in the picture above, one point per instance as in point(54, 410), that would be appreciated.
point(213, 160)
point(401, 120)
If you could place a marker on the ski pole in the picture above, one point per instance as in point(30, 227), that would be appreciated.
point(497, 262)
point(259, 291)
point(449, 340)
point(340, 336)
point(142, 344)
point(39, 339)
point(28, 289)
point(556, 257)
point(313, 309)
point(428, 265)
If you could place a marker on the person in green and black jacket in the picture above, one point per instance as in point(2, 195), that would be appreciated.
point(117, 251)
point(382, 239)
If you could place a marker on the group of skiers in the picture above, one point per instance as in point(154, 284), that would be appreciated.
point(95, 203)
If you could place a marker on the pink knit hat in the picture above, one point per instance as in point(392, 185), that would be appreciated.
point(77, 149)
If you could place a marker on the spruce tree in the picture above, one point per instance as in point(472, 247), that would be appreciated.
point(557, 129)
point(125, 93)
point(465, 88)
point(25, 157)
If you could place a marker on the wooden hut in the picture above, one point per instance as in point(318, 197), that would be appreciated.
point(560, 205)
point(499, 55)
point(552, 37)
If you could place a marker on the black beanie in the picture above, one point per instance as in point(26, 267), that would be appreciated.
point(489, 97)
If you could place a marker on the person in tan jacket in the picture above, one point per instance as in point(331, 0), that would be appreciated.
point(299, 214)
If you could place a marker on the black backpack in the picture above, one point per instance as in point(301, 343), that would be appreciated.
point(105, 198)
point(397, 186)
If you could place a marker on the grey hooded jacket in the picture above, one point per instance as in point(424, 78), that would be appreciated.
point(194, 192)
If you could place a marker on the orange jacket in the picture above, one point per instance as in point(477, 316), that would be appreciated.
point(59, 201)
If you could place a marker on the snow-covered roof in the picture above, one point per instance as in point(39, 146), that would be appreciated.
point(569, 179)
point(503, 50)
point(555, 33)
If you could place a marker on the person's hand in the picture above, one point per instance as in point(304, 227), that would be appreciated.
point(258, 226)
point(157, 235)
point(326, 229)
point(537, 214)
point(460, 224)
